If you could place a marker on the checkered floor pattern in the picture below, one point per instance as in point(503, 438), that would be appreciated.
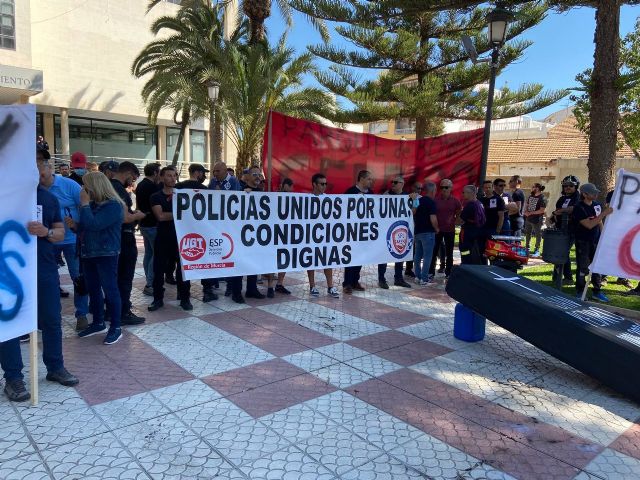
point(369, 386)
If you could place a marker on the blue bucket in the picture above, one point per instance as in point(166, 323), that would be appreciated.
point(468, 326)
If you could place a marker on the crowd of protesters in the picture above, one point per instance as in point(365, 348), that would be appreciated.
point(89, 223)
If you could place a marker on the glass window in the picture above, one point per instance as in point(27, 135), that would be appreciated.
point(405, 125)
point(379, 127)
point(105, 138)
point(39, 125)
point(198, 152)
point(7, 24)
point(172, 141)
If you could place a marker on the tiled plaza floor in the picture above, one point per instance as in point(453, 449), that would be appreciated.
point(372, 386)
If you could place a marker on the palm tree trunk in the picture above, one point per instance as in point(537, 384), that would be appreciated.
point(604, 96)
point(257, 11)
point(183, 127)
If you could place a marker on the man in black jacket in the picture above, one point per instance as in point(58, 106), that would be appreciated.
point(352, 274)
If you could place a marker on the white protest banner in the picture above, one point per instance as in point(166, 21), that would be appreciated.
point(223, 233)
point(618, 252)
point(18, 256)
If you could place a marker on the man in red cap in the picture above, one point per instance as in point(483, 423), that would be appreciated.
point(79, 166)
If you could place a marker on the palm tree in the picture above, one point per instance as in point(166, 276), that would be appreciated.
point(179, 64)
point(257, 78)
point(257, 12)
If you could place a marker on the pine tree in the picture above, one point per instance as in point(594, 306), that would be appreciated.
point(425, 73)
point(604, 88)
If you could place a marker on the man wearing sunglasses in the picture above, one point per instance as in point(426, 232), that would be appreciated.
point(494, 209)
point(397, 186)
point(448, 210)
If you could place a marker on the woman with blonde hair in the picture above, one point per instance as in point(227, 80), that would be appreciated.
point(99, 227)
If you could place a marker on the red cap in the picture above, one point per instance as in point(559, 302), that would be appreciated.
point(79, 160)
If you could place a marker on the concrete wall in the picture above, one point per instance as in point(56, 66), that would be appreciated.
point(86, 49)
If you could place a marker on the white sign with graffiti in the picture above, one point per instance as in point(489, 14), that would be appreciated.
point(18, 256)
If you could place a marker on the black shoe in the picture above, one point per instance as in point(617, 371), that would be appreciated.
point(209, 296)
point(441, 270)
point(238, 298)
point(409, 273)
point(186, 304)
point(383, 284)
point(228, 292)
point(156, 305)
point(16, 391)
point(283, 289)
point(401, 283)
point(255, 294)
point(170, 279)
point(64, 293)
point(131, 318)
point(63, 378)
point(270, 293)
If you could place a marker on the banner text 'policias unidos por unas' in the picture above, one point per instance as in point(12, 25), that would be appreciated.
point(237, 233)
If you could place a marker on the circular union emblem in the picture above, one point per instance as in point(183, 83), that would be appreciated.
point(399, 239)
point(192, 247)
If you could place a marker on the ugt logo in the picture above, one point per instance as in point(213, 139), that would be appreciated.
point(192, 247)
point(9, 281)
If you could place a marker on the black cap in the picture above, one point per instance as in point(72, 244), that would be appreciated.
point(196, 167)
point(45, 153)
point(111, 165)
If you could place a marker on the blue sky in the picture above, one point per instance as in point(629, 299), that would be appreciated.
point(562, 47)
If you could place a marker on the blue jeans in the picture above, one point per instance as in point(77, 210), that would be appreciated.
point(81, 302)
point(101, 274)
point(424, 251)
point(49, 321)
point(149, 236)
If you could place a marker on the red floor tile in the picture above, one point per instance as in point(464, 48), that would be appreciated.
point(629, 442)
point(253, 376)
point(372, 311)
point(382, 341)
point(267, 340)
point(413, 353)
point(116, 371)
point(499, 451)
point(285, 328)
point(544, 437)
point(276, 396)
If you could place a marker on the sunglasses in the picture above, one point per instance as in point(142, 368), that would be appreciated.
point(322, 184)
point(502, 185)
point(395, 182)
point(568, 185)
point(445, 187)
point(418, 187)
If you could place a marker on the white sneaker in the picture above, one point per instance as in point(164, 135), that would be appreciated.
point(333, 292)
point(313, 291)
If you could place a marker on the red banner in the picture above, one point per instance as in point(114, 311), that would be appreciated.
point(301, 148)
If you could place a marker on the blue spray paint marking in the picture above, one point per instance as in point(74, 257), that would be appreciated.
point(9, 281)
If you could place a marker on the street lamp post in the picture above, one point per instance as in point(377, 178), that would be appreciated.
point(213, 89)
point(497, 22)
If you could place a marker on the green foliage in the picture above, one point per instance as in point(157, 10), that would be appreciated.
point(426, 74)
point(254, 77)
point(257, 78)
point(628, 87)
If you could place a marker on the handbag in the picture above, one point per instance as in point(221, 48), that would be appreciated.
point(80, 283)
